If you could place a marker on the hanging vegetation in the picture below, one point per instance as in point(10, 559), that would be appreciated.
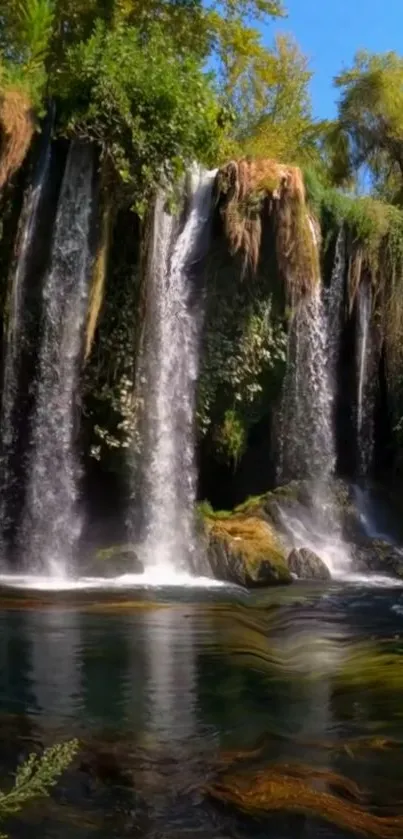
point(17, 126)
point(256, 190)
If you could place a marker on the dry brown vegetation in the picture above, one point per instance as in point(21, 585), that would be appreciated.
point(17, 126)
point(263, 188)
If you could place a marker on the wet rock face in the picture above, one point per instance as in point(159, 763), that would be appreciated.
point(307, 565)
point(378, 557)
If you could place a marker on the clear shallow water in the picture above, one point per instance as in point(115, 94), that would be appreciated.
point(165, 688)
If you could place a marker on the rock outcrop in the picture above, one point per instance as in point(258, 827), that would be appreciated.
point(245, 550)
point(307, 565)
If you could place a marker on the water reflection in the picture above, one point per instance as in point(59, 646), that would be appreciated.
point(292, 692)
point(53, 637)
point(172, 685)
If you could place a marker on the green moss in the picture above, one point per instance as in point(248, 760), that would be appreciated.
point(251, 505)
point(206, 511)
point(368, 220)
point(254, 541)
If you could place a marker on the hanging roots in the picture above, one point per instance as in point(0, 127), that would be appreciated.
point(252, 186)
point(287, 788)
point(16, 130)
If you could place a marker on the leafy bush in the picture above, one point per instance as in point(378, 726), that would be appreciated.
point(148, 106)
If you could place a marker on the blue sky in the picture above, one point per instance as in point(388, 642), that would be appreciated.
point(330, 32)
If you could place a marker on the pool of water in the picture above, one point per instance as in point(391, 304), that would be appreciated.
point(207, 713)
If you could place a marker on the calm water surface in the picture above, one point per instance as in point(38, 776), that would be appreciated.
point(177, 697)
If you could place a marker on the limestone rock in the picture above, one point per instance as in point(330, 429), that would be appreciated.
point(306, 565)
point(246, 551)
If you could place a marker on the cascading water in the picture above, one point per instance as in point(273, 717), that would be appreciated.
point(365, 389)
point(334, 307)
point(169, 368)
point(307, 447)
point(15, 336)
point(51, 525)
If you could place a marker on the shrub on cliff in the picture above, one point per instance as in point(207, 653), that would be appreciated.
point(147, 105)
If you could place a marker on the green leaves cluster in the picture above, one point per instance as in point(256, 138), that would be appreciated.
point(149, 107)
point(244, 350)
point(368, 133)
point(131, 75)
point(26, 28)
point(36, 777)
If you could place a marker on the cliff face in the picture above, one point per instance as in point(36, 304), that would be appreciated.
point(270, 247)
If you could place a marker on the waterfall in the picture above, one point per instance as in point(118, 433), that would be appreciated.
point(15, 336)
point(308, 446)
point(334, 306)
point(51, 525)
point(365, 388)
point(169, 369)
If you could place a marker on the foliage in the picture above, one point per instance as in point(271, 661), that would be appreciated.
point(370, 124)
point(206, 511)
point(109, 403)
point(244, 344)
point(36, 777)
point(270, 94)
point(148, 106)
point(24, 46)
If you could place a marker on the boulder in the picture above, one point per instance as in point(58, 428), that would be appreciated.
point(378, 557)
point(114, 561)
point(307, 565)
point(245, 550)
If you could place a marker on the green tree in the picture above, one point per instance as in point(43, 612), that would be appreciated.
point(369, 132)
point(273, 102)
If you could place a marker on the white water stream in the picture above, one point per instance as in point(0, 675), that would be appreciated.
point(169, 370)
point(52, 525)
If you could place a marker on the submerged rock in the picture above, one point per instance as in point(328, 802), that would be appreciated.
point(247, 551)
point(307, 565)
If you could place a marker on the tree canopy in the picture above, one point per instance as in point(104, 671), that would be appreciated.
point(369, 130)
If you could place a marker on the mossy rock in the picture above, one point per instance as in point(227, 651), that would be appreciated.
point(247, 551)
point(114, 561)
